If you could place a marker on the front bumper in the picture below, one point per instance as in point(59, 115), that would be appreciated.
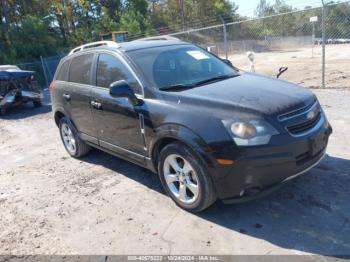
point(16, 97)
point(259, 170)
point(253, 194)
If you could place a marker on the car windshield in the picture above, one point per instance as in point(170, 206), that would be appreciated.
point(180, 66)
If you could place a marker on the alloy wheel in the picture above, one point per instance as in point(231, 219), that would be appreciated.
point(181, 178)
point(68, 139)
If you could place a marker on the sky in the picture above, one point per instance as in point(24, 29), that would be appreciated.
point(247, 7)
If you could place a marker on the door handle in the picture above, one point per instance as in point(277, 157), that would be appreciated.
point(66, 96)
point(96, 105)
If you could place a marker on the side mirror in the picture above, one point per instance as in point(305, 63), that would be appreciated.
point(228, 62)
point(122, 89)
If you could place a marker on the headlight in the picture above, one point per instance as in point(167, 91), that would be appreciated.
point(250, 132)
point(243, 130)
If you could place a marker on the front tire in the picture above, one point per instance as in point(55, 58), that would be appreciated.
point(73, 144)
point(184, 179)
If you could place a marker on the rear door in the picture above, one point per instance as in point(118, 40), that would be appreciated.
point(118, 122)
point(60, 87)
point(77, 95)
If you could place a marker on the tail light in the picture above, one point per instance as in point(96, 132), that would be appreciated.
point(51, 88)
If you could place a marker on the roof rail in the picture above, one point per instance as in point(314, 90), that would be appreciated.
point(94, 44)
point(160, 37)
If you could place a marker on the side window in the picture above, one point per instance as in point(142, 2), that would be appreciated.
point(80, 69)
point(62, 74)
point(110, 69)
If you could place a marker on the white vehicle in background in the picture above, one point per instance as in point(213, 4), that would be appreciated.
point(333, 41)
point(9, 67)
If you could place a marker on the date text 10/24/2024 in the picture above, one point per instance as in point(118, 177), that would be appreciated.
point(173, 258)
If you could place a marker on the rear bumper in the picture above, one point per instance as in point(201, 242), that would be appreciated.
point(258, 171)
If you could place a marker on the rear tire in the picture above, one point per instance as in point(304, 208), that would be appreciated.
point(185, 179)
point(37, 104)
point(2, 111)
point(72, 142)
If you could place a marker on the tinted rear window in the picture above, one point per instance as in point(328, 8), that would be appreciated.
point(62, 74)
point(80, 69)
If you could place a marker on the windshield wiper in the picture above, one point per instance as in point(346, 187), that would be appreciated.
point(206, 81)
point(214, 79)
point(175, 87)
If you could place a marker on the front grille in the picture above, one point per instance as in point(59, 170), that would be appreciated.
point(306, 157)
point(305, 126)
point(296, 112)
point(302, 120)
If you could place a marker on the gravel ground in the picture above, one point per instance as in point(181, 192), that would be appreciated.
point(303, 68)
point(53, 204)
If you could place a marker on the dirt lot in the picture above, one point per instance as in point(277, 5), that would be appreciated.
point(53, 204)
point(303, 68)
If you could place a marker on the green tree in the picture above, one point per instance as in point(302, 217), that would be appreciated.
point(33, 39)
point(30, 28)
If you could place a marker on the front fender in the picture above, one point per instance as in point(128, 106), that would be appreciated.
point(184, 135)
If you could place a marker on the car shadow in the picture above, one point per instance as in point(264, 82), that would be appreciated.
point(125, 168)
point(28, 109)
point(309, 214)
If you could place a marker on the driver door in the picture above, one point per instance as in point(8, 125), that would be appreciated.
point(117, 120)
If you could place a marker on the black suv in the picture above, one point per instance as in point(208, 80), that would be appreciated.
point(209, 130)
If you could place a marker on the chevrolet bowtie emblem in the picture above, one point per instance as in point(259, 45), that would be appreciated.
point(311, 115)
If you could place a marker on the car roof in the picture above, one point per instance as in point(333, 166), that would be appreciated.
point(129, 46)
point(142, 44)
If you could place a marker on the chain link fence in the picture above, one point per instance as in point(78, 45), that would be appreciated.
point(36, 67)
point(45, 69)
point(290, 40)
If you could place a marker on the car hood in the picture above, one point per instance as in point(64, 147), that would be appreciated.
point(252, 92)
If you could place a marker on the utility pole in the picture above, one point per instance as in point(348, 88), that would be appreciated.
point(44, 71)
point(313, 20)
point(182, 14)
point(225, 36)
point(324, 14)
point(313, 38)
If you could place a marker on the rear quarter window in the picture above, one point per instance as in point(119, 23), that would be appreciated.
point(62, 73)
point(80, 69)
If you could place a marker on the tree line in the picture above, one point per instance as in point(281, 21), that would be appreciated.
point(33, 28)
